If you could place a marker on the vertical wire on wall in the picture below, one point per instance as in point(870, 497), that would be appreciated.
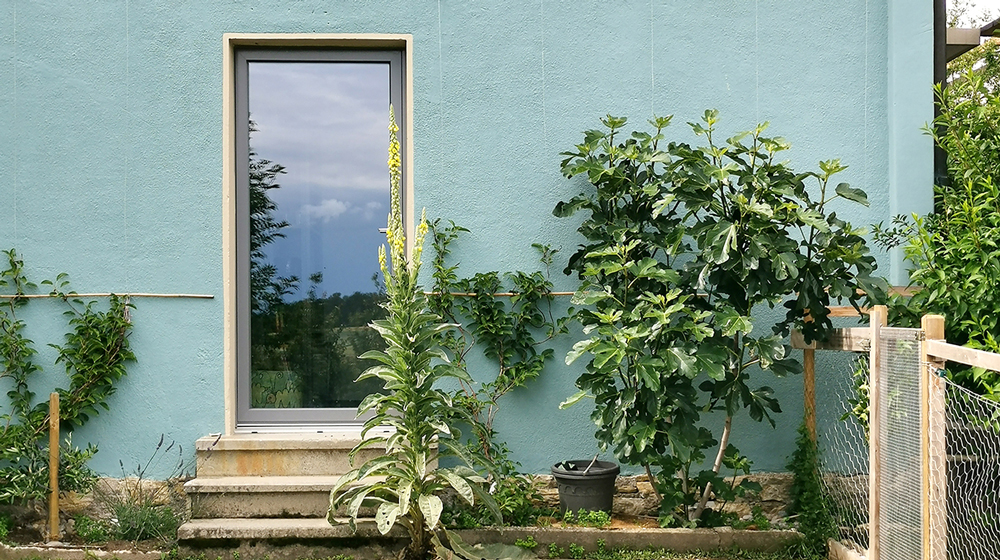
point(128, 128)
point(652, 68)
point(545, 132)
point(14, 147)
point(756, 61)
point(440, 127)
point(864, 161)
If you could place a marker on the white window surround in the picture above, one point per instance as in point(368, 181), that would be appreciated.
point(230, 43)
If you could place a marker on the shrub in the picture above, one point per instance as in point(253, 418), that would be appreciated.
point(681, 245)
point(140, 507)
point(809, 502)
point(955, 269)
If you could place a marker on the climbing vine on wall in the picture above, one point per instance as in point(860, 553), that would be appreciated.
point(510, 332)
point(94, 355)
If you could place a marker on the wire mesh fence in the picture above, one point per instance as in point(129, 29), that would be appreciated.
point(844, 451)
point(923, 479)
point(973, 475)
point(900, 482)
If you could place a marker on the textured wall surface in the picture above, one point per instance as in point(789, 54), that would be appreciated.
point(110, 154)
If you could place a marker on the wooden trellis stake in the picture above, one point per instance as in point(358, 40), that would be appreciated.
point(879, 319)
point(54, 467)
point(809, 381)
point(934, 474)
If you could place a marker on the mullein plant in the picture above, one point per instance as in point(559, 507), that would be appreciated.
point(403, 486)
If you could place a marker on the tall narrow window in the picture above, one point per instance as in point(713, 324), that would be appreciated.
point(312, 195)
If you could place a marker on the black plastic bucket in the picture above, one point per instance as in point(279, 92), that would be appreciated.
point(585, 486)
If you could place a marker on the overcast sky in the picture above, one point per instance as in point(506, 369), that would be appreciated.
point(326, 123)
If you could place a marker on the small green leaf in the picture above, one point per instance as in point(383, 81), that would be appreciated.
point(577, 397)
point(855, 195)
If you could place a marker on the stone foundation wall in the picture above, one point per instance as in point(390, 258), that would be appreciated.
point(634, 495)
point(31, 520)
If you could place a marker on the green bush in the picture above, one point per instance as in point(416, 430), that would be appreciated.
point(953, 252)
point(683, 246)
point(137, 506)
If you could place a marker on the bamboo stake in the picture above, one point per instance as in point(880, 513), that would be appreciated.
point(934, 477)
point(879, 319)
point(54, 467)
point(106, 294)
point(496, 294)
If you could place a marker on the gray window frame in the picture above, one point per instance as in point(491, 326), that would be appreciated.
point(248, 418)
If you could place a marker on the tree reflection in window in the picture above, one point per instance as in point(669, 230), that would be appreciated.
point(304, 352)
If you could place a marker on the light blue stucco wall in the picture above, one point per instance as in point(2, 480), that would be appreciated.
point(111, 135)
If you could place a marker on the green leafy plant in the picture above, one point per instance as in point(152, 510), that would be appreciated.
point(528, 543)
point(758, 521)
point(954, 268)
point(859, 400)
point(94, 355)
point(576, 551)
point(457, 549)
point(92, 530)
point(809, 502)
point(509, 330)
point(5, 527)
point(404, 484)
point(556, 551)
point(682, 244)
point(588, 518)
point(516, 498)
point(461, 516)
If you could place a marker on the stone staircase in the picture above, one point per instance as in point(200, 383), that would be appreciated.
point(273, 486)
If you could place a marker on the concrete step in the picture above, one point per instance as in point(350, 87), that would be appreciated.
point(279, 454)
point(264, 539)
point(221, 529)
point(259, 496)
point(315, 538)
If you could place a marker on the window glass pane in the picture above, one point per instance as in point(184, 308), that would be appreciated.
point(319, 192)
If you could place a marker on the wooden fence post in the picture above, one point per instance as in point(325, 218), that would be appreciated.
point(879, 319)
point(809, 396)
point(934, 474)
point(54, 467)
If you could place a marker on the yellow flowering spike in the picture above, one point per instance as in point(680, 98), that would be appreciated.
point(381, 262)
point(418, 240)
